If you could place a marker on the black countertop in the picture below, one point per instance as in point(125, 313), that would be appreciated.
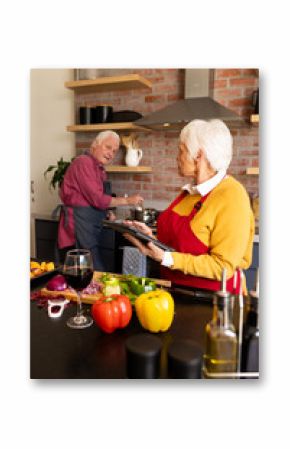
point(58, 352)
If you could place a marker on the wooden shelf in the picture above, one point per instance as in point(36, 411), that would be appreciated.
point(108, 83)
point(252, 171)
point(130, 126)
point(125, 169)
point(254, 118)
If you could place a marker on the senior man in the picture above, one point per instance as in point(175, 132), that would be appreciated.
point(85, 201)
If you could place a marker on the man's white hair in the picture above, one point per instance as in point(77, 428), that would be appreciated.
point(103, 135)
point(213, 137)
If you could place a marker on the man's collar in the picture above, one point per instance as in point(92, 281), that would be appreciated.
point(99, 164)
point(205, 187)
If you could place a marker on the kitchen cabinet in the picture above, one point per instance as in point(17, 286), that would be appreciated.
point(46, 239)
point(46, 230)
point(251, 271)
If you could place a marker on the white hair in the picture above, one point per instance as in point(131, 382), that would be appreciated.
point(105, 135)
point(213, 137)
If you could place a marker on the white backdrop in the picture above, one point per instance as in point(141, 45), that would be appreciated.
point(119, 34)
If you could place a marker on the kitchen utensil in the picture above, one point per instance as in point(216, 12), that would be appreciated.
point(102, 114)
point(126, 116)
point(56, 307)
point(147, 215)
point(84, 115)
point(133, 157)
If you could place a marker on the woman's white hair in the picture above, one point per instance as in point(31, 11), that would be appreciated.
point(105, 135)
point(213, 137)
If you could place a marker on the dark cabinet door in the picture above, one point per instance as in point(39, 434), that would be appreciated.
point(251, 271)
point(46, 244)
point(46, 239)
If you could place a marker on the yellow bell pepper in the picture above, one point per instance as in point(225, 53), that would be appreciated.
point(155, 310)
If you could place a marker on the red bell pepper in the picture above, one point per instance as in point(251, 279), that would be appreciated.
point(112, 312)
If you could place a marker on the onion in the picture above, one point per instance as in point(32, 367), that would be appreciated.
point(57, 283)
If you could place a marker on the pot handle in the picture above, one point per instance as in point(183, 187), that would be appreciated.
point(140, 155)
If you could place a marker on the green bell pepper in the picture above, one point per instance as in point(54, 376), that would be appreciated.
point(142, 285)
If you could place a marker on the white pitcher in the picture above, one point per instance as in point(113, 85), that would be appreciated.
point(133, 157)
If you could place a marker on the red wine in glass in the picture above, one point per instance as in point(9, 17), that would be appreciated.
point(78, 272)
point(78, 278)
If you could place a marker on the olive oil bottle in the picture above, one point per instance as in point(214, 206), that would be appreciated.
point(221, 338)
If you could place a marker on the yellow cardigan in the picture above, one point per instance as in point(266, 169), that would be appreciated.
point(225, 224)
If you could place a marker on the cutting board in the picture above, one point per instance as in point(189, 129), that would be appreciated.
point(91, 299)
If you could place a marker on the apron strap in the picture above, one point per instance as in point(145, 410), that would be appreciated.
point(197, 206)
point(177, 199)
point(57, 212)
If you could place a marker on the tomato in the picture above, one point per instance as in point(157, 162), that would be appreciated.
point(112, 312)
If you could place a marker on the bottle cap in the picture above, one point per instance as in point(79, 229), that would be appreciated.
point(184, 360)
point(143, 356)
point(223, 294)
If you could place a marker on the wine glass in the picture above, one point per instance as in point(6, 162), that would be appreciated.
point(78, 272)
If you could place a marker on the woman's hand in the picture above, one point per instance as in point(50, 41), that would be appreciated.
point(149, 249)
point(140, 227)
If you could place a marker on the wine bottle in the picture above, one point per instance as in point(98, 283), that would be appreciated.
point(250, 346)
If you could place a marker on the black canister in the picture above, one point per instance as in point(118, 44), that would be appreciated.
point(103, 114)
point(143, 356)
point(85, 115)
point(184, 360)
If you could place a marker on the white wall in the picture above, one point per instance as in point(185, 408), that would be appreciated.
point(52, 109)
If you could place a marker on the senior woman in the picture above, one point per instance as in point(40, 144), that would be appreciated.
point(210, 224)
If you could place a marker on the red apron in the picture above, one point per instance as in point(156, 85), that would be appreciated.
point(174, 230)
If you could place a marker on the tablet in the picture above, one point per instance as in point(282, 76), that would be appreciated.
point(144, 238)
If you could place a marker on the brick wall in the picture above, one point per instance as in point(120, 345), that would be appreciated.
point(232, 87)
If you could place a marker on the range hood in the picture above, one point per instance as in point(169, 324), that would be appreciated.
point(197, 104)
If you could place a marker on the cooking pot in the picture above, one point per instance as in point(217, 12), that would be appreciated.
point(102, 114)
point(85, 117)
point(147, 215)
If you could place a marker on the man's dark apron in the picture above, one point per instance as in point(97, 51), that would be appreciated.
point(87, 227)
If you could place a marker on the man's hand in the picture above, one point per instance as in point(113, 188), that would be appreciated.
point(135, 200)
point(110, 215)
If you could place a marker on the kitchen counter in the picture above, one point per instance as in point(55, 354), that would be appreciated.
point(149, 204)
point(58, 352)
